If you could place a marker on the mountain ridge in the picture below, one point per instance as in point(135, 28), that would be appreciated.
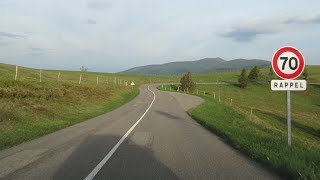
point(205, 65)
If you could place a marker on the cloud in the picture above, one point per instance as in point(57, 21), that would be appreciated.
point(5, 43)
point(250, 30)
point(6, 3)
point(242, 34)
point(34, 51)
point(303, 20)
point(90, 21)
point(11, 35)
point(98, 5)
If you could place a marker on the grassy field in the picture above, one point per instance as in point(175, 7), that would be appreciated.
point(29, 109)
point(263, 135)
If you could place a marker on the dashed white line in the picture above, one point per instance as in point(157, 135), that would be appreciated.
point(95, 171)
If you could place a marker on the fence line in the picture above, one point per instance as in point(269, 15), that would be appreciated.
point(23, 74)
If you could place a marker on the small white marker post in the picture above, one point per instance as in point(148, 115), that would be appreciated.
point(250, 114)
point(214, 95)
point(58, 76)
point(40, 73)
point(162, 86)
point(16, 76)
point(178, 88)
point(230, 102)
point(219, 98)
point(80, 79)
point(288, 64)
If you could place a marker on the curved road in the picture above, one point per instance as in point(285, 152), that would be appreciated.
point(152, 137)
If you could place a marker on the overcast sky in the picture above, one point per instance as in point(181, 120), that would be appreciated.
point(106, 35)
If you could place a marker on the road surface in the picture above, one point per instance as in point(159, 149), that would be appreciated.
point(151, 137)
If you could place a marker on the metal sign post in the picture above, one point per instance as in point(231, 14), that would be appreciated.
point(289, 116)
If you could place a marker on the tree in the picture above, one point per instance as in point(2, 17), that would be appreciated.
point(305, 74)
point(243, 79)
point(83, 69)
point(254, 73)
point(187, 83)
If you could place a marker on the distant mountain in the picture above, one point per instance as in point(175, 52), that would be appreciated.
point(207, 65)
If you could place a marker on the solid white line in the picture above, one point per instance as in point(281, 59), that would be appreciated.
point(95, 171)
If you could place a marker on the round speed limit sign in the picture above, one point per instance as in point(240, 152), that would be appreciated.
point(288, 62)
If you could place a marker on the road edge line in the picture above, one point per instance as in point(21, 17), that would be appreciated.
point(95, 171)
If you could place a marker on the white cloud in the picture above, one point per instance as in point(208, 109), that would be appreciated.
point(98, 5)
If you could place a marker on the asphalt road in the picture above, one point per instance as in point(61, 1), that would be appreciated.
point(152, 137)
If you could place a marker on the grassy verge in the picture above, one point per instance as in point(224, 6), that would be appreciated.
point(30, 110)
point(263, 136)
point(261, 143)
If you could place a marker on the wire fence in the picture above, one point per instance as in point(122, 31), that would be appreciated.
point(18, 73)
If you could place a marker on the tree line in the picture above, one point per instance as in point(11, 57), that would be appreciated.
point(255, 76)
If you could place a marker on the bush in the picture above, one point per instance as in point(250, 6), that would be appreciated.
point(254, 74)
point(243, 79)
point(187, 83)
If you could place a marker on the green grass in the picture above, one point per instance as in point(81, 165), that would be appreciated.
point(30, 109)
point(263, 139)
point(263, 136)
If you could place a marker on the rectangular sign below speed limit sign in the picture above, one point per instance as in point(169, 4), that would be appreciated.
point(288, 63)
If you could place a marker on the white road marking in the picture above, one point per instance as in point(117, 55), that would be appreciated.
point(95, 171)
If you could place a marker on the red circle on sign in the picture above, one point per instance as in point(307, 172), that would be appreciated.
point(277, 70)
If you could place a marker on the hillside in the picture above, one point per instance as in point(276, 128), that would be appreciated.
point(30, 108)
point(207, 65)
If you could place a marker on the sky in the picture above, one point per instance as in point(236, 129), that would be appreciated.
point(114, 35)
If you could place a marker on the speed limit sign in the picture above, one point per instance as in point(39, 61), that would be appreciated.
point(288, 62)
